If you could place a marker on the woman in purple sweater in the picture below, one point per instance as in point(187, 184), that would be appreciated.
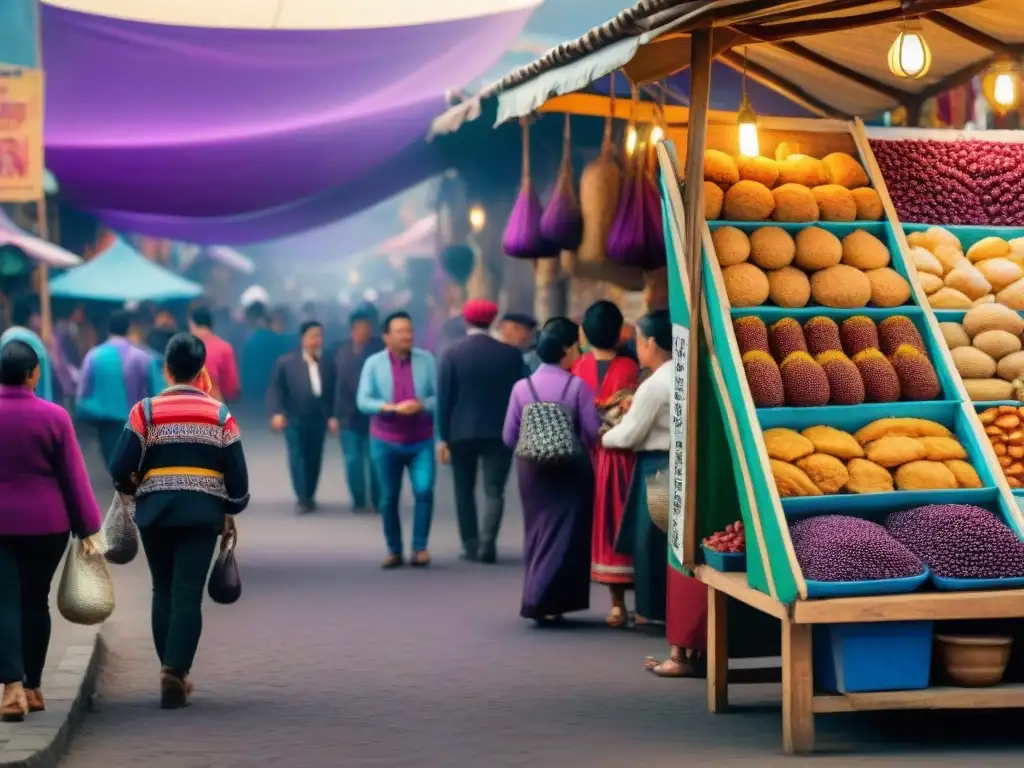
point(44, 495)
point(558, 502)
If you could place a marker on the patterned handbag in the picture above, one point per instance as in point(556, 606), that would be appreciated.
point(86, 591)
point(547, 433)
point(657, 499)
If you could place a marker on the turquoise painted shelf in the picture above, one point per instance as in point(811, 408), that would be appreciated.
point(773, 512)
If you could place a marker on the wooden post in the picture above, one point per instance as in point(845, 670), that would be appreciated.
point(45, 311)
point(797, 689)
point(718, 651)
point(700, 87)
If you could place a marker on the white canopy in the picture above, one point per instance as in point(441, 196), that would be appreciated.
point(35, 247)
point(293, 14)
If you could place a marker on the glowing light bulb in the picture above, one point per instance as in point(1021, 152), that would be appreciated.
point(909, 55)
point(749, 145)
point(746, 121)
point(1001, 86)
point(1004, 92)
point(657, 134)
point(630, 140)
point(477, 218)
point(353, 276)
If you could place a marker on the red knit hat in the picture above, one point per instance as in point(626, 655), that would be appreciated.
point(479, 312)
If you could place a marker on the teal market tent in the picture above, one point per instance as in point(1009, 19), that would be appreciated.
point(120, 273)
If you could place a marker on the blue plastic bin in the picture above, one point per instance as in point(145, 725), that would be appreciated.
point(725, 562)
point(882, 656)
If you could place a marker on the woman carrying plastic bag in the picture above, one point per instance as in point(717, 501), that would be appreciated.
point(46, 498)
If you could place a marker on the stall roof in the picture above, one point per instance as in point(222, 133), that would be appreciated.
point(230, 258)
point(120, 273)
point(35, 247)
point(835, 68)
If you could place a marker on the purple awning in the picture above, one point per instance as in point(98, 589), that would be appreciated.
point(233, 135)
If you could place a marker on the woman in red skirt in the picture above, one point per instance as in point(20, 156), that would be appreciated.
point(613, 377)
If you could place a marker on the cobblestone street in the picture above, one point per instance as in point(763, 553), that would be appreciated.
point(328, 661)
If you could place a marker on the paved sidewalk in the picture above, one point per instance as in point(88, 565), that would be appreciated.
point(69, 680)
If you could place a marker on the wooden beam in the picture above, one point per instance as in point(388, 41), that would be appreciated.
point(770, 33)
point(951, 80)
point(805, 53)
point(1008, 696)
point(916, 606)
point(969, 33)
point(701, 42)
point(780, 85)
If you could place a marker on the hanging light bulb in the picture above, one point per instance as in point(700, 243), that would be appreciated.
point(1001, 86)
point(631, 140)
point(746, 120)
point(909, 55)
point(657, 134)
point(477, 218)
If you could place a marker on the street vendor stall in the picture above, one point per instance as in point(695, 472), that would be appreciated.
point(873, 501)
point(119, 273)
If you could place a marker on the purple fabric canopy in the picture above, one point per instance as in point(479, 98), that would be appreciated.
point(240, 135)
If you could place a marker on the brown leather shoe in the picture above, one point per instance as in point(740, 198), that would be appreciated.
point(420, 559)
point(14, 706)
point(173, 690)
point(35, 700)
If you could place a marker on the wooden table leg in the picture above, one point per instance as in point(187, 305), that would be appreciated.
point(718, 651)
point(797, 689)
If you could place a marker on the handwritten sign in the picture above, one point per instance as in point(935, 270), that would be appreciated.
point(21, 135)
point(677, 457)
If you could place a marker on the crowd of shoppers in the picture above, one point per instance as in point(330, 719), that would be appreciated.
point(156, 401)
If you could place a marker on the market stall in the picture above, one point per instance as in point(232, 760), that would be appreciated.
point(873, 501)
point(119, 273)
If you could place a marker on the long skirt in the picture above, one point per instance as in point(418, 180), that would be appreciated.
point(558, 509)
point(642, 540)
point(614, 471)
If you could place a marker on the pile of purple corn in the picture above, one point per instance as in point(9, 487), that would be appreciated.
point(959, 541)
point(843, 548)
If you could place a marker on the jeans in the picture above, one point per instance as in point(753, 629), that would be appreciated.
point(179, 560)
point(27, 566)
point(355, 447)
point(390, 460)
point(305, 439)
point(495, 459)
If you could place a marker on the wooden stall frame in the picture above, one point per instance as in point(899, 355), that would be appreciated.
point(800, 703)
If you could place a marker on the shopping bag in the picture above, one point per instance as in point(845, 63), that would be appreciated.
point(86, 591)
point(120, 531)
point(225, 583)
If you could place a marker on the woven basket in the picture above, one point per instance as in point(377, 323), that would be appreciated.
point(657, 499)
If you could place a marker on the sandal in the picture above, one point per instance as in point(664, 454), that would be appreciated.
point(617, 618)
point(692, 667)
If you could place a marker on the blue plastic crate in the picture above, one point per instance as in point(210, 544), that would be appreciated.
point(726, 562)
point(876, 656)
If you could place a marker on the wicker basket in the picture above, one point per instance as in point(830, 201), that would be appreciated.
point(658, 500)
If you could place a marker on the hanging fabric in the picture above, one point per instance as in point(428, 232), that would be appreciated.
point(600, 188)
point(561, 223)
point(522, 239)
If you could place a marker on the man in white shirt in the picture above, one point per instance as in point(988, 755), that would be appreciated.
point(300, 400)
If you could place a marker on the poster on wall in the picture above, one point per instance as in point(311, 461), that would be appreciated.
point(677, 458)
point(21, 135)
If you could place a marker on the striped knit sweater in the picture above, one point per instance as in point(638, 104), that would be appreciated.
point(182, 440)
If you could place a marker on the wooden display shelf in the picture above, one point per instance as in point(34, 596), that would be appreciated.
point(799, 702)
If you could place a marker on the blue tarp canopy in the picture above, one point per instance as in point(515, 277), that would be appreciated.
point(121, 274)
